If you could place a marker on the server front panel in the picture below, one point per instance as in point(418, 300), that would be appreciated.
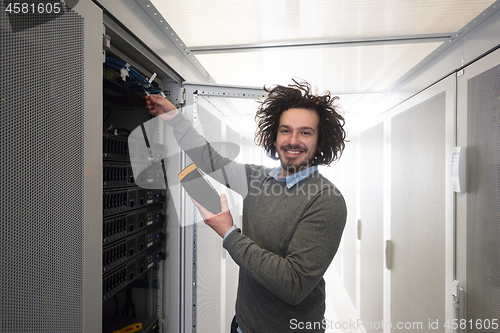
point(133, 216)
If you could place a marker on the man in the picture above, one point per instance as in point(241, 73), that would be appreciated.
point(293, 217)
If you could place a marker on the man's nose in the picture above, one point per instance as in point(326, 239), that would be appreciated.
point(294, 139)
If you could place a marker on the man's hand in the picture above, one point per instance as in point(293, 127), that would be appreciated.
point(161, 107)
point(221, 222)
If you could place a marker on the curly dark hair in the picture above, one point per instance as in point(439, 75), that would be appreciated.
point(331, 134)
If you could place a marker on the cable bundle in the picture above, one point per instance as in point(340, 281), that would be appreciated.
point(132, 78)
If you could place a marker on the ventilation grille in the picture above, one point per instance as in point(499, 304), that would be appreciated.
point(418, 214)
point(483, 197)
point(42, 177)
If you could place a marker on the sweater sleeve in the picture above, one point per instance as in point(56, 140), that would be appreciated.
point(207, 158)
point(309, 254)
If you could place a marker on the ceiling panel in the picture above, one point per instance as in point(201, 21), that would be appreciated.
point(359, 72)
point(229, 22)
point(359, 75)
point(368, 69)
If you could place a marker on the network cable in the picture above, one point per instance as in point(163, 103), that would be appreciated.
point(131, 77)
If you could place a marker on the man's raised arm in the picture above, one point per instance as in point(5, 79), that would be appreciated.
point(222, 169)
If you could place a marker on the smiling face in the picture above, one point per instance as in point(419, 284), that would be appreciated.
point(297, 139)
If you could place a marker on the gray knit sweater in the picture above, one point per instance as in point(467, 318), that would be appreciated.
point(289, 238)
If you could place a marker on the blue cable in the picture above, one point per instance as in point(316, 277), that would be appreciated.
point(134, 79)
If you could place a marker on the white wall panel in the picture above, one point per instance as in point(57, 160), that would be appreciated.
point(371, 216)
point(346, 258)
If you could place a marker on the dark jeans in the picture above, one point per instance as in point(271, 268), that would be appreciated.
point(234, 325)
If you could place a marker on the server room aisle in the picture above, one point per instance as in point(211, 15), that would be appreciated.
point(339, 312)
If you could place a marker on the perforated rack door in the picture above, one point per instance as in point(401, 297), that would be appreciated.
point(418, 212)
point(483, 199)
point(42, 176)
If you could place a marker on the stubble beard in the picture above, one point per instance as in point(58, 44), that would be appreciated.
point(290, 166)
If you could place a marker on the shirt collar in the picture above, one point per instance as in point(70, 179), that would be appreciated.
point(292, 179)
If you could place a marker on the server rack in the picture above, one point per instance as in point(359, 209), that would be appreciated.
point(77, 227)
point(134, 216)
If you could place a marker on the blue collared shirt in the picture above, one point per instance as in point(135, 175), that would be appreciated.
point(290, 181)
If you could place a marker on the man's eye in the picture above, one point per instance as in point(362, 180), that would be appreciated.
point(306, 133)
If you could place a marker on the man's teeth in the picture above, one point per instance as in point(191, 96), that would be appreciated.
point(293, 151)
